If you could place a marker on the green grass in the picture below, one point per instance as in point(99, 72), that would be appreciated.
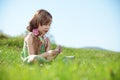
point(89, 64)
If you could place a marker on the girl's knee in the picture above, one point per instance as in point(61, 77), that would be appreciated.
point(52, 52)
point(32, 58)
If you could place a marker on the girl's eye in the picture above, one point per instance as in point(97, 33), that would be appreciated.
point(49, 25)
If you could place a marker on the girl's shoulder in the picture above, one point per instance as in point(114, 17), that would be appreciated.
point(47, 40)
point(29, 36)
point(46, 37)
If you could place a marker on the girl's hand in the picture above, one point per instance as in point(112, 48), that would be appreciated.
point(59, 49)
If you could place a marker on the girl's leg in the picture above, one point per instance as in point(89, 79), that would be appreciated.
point(35, 58)
point(29, 59)
point(51, 54)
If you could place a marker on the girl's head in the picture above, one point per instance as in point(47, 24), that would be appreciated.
point(41, 21)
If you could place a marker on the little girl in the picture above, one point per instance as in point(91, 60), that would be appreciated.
point(36, 44)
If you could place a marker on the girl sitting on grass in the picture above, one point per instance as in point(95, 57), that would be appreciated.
point(36, 44)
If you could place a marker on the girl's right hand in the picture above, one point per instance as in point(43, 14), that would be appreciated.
point(59, 48)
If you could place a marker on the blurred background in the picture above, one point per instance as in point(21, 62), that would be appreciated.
point(76, 23)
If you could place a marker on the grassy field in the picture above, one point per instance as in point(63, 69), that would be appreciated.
point(89, 64)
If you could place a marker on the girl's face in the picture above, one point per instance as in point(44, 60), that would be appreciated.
point(43, 29)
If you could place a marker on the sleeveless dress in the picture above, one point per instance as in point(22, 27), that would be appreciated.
point(24, 53)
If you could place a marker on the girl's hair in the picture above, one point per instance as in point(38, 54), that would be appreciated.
point(41, 17)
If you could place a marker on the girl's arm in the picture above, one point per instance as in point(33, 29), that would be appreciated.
point(47, 44)
point(31, 44)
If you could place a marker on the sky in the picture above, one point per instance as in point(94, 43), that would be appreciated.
point(76, 23)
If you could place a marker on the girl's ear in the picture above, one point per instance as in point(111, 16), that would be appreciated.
point(36, 32)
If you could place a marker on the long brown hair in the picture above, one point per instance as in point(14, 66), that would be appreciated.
point(41, 17)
